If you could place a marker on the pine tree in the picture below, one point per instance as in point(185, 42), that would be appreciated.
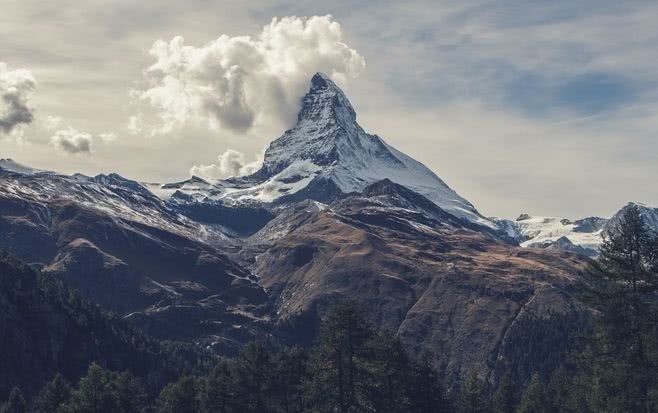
point(93, 394)
point(337, 373)
point(255, 368)
point(291, 371)
point(16, 402)
point(54, 395)
point(472, 395)
point(388, 370)
point(624, 346)
point(534, 397)
point(558, 391)
point(426, 392)
point(218, 391)
point(180, 397)
point(99, 391)
point(567, 393)
point(504, 399)
point(128, 392)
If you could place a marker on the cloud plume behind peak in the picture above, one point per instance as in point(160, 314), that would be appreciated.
point(232, 83)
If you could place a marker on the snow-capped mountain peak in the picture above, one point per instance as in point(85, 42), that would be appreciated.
point(649, 216)
point(326, 102)
point(545, 232)
point(326, 153)
point(584, 236)
point(326, 132)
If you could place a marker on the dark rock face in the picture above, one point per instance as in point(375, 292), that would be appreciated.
point(242, 221)
point(110, 281)
point(317, 101)
point(564, 244)
point(23, 227)
point(591, 224)
point(320, 189)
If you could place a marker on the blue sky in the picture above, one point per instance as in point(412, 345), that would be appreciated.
point(521, 106)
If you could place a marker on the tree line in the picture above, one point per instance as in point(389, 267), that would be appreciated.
point(352, 368)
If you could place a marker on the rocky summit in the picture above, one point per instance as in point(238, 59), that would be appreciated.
point(326, 155)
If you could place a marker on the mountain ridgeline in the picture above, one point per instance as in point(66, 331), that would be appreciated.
point(334, 214)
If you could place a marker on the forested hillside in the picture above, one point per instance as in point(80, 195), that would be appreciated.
point(48, 328)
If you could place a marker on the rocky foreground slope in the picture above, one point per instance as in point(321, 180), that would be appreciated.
point(439, 284)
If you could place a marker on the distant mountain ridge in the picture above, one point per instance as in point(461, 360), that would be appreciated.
point(583, 236)
point(126, 249)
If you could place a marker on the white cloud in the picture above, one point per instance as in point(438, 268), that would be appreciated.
point(16, 87)
point(235, 82)
point(108, 137)
point(72, 141)
point(230, 163)
point(135, 124)
point(52, 122)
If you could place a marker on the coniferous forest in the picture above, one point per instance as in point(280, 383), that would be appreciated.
point(94, 362)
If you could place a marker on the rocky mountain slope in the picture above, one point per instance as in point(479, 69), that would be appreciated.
point(435, 282)
point(130, 252)
point(334, 213)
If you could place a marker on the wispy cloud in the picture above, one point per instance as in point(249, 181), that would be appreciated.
point(538, 58)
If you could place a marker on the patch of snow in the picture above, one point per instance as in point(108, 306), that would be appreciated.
point(542, 232)
point(158, 190)
point(289, 181)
